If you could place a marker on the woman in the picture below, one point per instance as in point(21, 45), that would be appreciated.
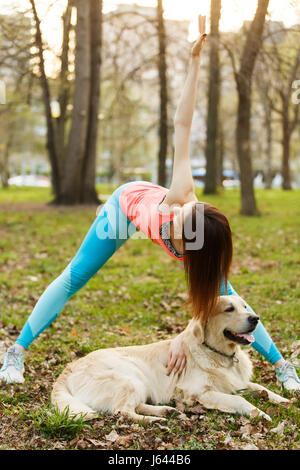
point(171, 218)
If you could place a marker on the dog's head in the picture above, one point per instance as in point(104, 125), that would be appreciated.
point(229, 325)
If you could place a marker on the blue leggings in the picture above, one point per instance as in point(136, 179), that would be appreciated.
point(109, 231)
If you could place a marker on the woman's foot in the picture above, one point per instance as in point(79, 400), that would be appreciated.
point(13, 366)
point(287, 376)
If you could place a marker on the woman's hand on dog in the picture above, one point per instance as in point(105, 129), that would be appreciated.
point(176, 359)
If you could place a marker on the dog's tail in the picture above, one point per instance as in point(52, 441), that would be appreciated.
point(63, 400)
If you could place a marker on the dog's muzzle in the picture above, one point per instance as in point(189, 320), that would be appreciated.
point(246, 337)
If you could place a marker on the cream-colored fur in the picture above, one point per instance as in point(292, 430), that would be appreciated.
point(132, 380)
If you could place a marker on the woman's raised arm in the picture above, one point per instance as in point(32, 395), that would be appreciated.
point(182, 185)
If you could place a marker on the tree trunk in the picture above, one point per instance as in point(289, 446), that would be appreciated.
point(243, 151)
point(117, 164)
point(286, 139)
point(220, 155)
point(51, 143)
point(89, 194)
point(4, 163)
point(244, 79)
point(268, 161)
point(64, 88)
point(71, 190)
point(162, 71)
point(213, 101)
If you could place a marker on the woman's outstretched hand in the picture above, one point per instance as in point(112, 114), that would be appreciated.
point(177, 359)
point(197, 47)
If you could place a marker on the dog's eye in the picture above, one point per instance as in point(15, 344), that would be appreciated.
point(230, 309)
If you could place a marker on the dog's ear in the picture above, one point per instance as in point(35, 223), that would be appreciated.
point(198, 331)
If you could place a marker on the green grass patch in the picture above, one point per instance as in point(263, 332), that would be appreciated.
point(54, 424)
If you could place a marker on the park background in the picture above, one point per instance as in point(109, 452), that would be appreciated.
point(88, 93)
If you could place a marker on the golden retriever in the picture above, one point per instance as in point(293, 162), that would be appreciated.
point(133, 380)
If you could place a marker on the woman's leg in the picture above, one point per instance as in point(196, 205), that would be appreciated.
point(108, 232)
point(263, 342)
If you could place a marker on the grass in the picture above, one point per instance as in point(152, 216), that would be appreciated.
point(137, 298)
point(53, 424)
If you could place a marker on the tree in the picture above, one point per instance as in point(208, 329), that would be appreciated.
point(244, 83)
point(162, 72)
point(263, 82)
point(211, 150)
point(88, 190)
point(283, 59)
point(151, 29)
point(243, 78)
point(4, 156)
point(73, 163)
point(129, 108)
point(64, 90)
point(51, 138)
point(16, 73)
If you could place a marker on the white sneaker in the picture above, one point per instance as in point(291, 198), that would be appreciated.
point(13, 366)
point(287, 376)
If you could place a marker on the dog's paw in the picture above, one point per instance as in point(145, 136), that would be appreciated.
point(282, 400)
point(153, 419)
point(172, 412)
point(261, 414)
point(277, 399)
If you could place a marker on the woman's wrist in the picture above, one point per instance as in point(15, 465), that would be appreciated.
point(177, 359)
point(179, 337)
point(196, 57)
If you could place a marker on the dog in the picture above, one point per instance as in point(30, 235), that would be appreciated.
point(132, 380)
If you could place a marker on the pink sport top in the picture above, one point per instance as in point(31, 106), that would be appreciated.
point(140, 202)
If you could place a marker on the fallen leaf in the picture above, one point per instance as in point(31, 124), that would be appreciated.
point(182, 295)
point(249, 447)
point(163, 428)
point(74, 334)
point(243, 420)
point(96, 443)
point(295, 345)
point(74, 441)
point(112, 436)
point(228, 439)
point(279, 429)
point(197, 410)
point(245, 430)
point(33, 278)
point(169, 446)
point(165, 305)
point(124, 440)
point(180, 406)
point(123, 330)
point(81, 444)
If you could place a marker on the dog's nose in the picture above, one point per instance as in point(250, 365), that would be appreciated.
point(253, 320)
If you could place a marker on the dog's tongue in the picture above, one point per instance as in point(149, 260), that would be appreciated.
point(247, 336)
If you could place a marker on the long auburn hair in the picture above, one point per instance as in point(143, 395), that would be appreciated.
point(206, 268)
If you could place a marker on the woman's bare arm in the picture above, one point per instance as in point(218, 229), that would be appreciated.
point(182, 185)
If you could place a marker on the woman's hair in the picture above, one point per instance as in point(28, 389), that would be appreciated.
point(207, 267)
